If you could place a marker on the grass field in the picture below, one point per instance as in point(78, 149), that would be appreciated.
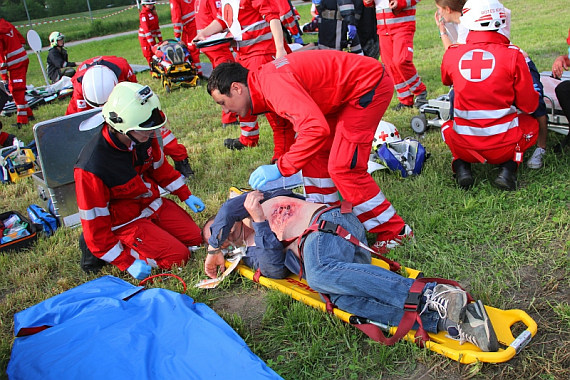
point(510, 249)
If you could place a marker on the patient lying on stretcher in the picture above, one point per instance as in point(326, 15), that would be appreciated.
point(269, 224)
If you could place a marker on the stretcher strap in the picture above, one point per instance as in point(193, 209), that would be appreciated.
point(411, 316)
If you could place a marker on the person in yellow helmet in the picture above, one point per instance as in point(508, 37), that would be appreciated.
point(58, 64)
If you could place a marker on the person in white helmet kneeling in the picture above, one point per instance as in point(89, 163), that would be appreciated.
point(117, 178)
point(494, 97)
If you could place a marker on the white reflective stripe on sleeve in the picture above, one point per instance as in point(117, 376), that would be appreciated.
point(484, 114)
point(158, 164)
point(151, 209)
point(93, 213)
point(113, 253)
point(152, 263)
point(135, 254)
point(322, 183)
point(167, 139)
point(175, 185)
point(493, 130)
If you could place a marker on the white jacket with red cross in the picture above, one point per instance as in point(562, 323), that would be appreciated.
point(182, 13)
point(149, 28)
point(492, 85)
point(254, 17)
point(388, 20)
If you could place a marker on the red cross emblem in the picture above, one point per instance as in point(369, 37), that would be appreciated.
point(383, 136)
point(476, 65)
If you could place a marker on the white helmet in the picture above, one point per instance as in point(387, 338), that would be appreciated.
point(133, 107)
point(483, 15)
point(148, 2)
point(97, 84)
point(386, 132)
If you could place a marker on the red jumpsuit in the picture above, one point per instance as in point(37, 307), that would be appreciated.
point(489, 128)
point(288, 16)
point(149, 31)
point(335, 121)
point(13, 68)
point(122, 214)
point(256, 48)
point(183, 18)
point(396, 30)
point(124, 73)
point(206, 12)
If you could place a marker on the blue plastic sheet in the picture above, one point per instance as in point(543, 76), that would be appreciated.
point(110, 329)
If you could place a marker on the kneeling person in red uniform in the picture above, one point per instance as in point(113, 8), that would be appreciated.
point(117, 178)
point(92, 85)
point(334, 121)
point(494, 96)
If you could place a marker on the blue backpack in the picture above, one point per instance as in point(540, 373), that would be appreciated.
point(405, 156)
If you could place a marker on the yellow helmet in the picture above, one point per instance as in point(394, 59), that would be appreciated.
point(54, 37)
point(133, 107)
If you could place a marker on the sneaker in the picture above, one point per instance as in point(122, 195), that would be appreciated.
point(233, 144)
point(535, 161)
point(184, 168)
point(476, 328)
point(449, 302)
point(401, 106)
point(383, 246)
point(421, 99)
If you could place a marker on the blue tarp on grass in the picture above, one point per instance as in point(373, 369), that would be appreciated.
point(110, 329)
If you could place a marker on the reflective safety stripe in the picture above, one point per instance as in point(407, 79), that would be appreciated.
point(158, 164)
point(380, 219)
point(254, 132)
point(346, 7)
point(15, 52)
point(175, 185)
point(392, 21)
point(15, 61)
point(322, 183)
point(484, 114)
point(322, 198)
point(135, 254)
point(406, 83)
point(93, 213)
point(151, 209)
point(263, 37)
point(369, 205)
point(167, 139)
point(113, 253)
point(248, 124)
point(493, 130)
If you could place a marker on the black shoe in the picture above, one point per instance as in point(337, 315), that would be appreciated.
point(225, 125)
point(89, 263)
point(401, 106)
point(463, 174)
point(233, 144)
point(421, 99)
point(18, 125)
point(507, 178)
point(184, 168)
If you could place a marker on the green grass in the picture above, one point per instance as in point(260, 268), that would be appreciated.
point(510, 249)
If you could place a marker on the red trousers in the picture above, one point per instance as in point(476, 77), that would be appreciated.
point(218, 54)
point(146, 49)
point(495, 156)
point(171, 146)
point(397, 52)
point(17, 84)
point(343, 162)
point(188, 35)
point(283, 134)
point(162, 240)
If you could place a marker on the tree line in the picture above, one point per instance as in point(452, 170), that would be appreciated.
point(15, 10)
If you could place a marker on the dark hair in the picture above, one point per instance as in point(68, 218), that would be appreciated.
point(224, 75)
point(454, 5)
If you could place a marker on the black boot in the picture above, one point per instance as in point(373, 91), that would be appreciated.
point(89, 263)
point(507, 178)
point(233, 144)
point(463, 174)
point(184, 168)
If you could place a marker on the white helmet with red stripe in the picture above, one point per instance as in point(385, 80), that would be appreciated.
point(483, 15)
point(385, 133)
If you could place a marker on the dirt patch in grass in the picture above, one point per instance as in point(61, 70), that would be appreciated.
point(249, 305)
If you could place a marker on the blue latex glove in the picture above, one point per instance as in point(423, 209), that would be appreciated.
point(536, 87)
point(195, 203)
point(351, 32)
point(264, 174)
point(177, 39)
point(139, 269)
point(316, 2)
point(297, 39)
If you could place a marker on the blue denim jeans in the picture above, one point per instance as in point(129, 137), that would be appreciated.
point(343, 271)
